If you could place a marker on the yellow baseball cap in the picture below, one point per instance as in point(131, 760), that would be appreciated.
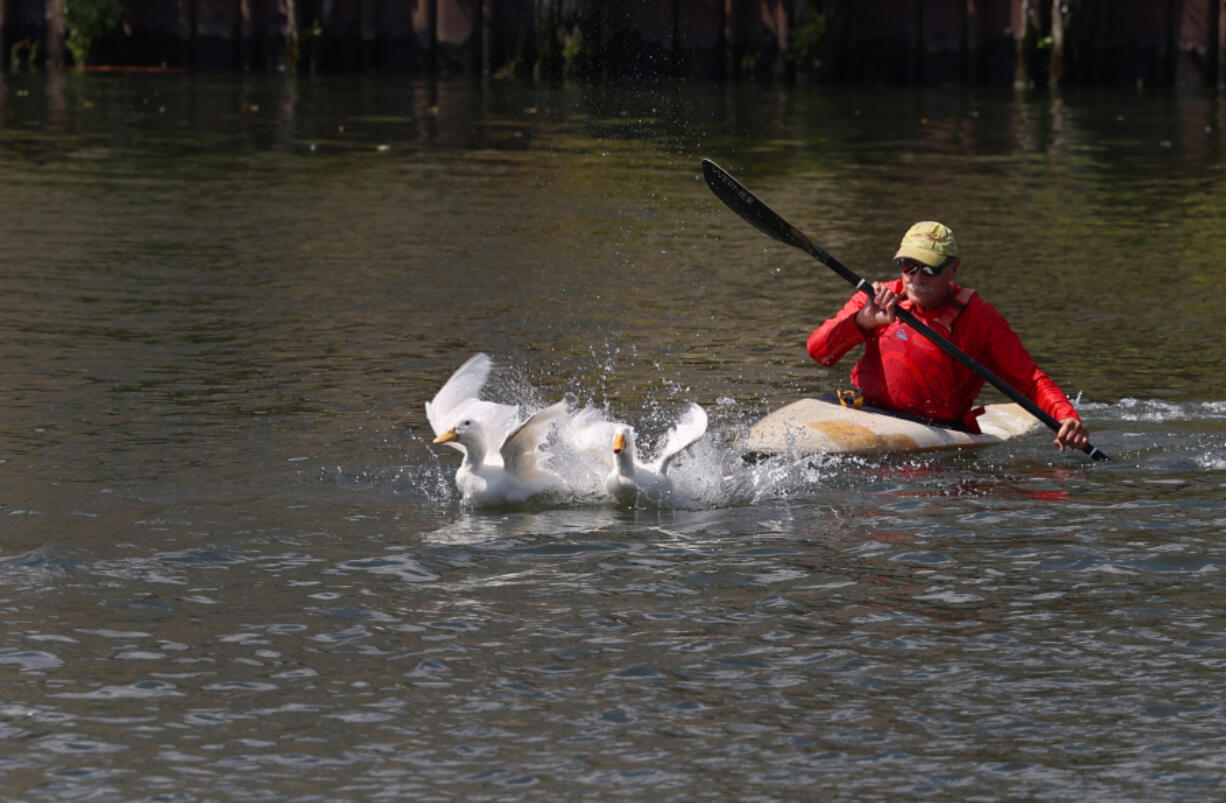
point(929, 242)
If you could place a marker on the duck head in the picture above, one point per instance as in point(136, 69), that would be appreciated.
point(466, 433)
point(623, 444)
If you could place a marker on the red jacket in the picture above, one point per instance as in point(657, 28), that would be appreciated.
point(902, 370)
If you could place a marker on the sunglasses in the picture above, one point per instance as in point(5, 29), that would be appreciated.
point(910, 266)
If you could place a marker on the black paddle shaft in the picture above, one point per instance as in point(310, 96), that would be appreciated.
point(765, 220)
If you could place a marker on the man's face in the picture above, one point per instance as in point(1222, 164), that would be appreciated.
point(929, 291)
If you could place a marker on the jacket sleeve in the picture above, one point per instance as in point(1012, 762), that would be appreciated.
point(1008, 358)
point(838, 335)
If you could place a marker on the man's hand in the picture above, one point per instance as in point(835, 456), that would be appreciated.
point(1072, 433)
point(879, 310)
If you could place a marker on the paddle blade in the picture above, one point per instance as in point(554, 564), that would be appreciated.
point(751, 209)
point(764, 219)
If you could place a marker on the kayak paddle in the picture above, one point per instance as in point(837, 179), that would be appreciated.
point(761, 217)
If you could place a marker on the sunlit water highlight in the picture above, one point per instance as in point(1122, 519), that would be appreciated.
point(233, 566)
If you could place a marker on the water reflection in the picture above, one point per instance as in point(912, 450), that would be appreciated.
point(1044, 192)
point(233, 565)
point(795, 129)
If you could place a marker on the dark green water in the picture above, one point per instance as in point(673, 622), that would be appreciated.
point(232, 567)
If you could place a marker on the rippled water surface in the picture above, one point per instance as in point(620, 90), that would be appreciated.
point(233, 567)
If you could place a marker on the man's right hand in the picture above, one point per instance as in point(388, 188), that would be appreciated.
point(879, 310)
point(1072, 433)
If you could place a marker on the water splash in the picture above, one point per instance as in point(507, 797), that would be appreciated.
point(1158, 410)
point(711, 473)
point(1174, 436)
point(714, 473)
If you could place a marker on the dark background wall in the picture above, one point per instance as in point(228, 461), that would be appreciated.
point(1096, 42)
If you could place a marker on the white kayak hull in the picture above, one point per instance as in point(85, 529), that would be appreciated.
point(811, 426)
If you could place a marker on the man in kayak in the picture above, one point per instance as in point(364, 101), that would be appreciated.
point(904, 371)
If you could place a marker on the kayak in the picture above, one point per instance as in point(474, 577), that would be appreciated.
point(815, 426)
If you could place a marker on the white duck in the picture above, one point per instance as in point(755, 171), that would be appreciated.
point(630, 481)
point(501, 462)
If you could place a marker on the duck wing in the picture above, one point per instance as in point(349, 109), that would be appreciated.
point(463, 386)
point(521, 449)
point(591, 435)
point(689, 428)
point(459, 399)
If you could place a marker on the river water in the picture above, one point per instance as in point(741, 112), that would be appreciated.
point(233, 566)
